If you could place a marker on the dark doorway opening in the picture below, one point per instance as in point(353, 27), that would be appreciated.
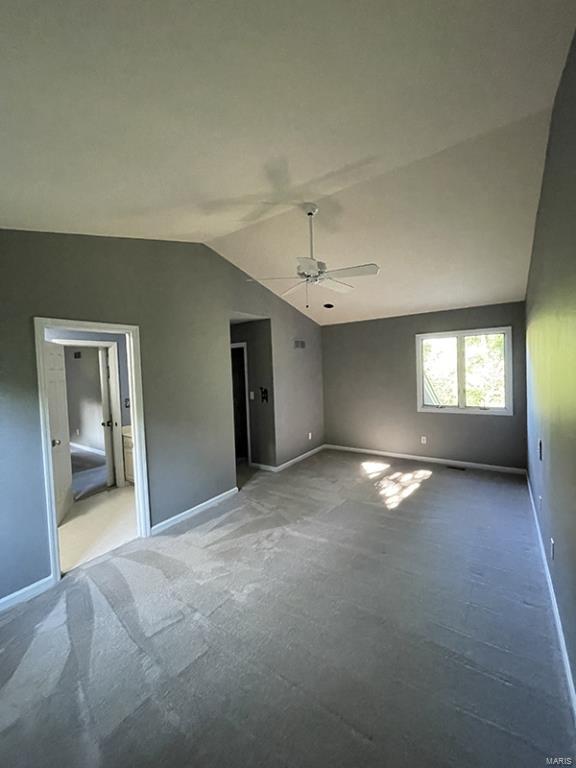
point(239, 389)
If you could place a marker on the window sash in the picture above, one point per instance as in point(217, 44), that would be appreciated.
point(460, 336)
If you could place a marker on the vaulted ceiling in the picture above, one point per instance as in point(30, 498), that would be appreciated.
point(419, 128)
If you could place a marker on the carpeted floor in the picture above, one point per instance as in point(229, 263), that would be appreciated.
point(89, 474)
point(340, 614)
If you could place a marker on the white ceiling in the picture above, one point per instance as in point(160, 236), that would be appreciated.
point(422, 124)
point(452, 230)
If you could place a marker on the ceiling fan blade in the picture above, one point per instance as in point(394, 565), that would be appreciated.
point(360, 270)
point(260, 279)
point(336, 285)
point(293, 288)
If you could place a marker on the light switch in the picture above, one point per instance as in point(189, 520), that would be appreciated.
point(251, 395)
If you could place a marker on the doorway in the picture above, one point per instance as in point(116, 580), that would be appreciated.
point(241, 407)
point(93, 438)
point(95, 418)
point(241, 402)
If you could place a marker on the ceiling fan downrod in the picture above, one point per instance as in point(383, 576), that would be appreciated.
point(311, 209)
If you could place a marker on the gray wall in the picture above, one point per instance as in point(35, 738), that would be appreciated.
point(370, 390)
point(298, 394)
point(258, 337)
point(182, 296)
point(551, 352)
point(84, 397)
point(120, 339)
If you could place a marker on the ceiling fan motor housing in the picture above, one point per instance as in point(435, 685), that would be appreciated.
point(310, 268)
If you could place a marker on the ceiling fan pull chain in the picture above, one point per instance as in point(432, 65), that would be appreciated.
point(307, 302)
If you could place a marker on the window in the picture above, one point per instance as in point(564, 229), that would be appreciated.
point(465, 371)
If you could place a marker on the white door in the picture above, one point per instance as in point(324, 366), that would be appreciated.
point(59, 429)
point(116, 411)
point(106, 415)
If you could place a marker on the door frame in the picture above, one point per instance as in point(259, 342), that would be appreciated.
point(115, 397)
point(141, 490)
point(244, 347)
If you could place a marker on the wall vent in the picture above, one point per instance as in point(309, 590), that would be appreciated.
point(299, 344)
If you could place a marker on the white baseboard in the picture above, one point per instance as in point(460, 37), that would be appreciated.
point(165, 524)
point(430, 459)
point(88, 449)
point(26, 593)
point(556, 612)
point(390, 454)
point(280, 467)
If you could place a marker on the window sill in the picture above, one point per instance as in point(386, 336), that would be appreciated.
point(467, 411)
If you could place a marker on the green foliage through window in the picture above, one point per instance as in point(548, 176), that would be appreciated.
point(484, 371)
point(440, 364)
point(464, 370)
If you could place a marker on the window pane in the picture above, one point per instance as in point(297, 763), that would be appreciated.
point(484, 371)
point(440, 370)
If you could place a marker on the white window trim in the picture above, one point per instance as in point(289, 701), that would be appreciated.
point(509, 384)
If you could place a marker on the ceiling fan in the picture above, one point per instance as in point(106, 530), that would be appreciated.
point(314, 272)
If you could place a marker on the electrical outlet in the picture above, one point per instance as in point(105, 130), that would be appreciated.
point(551, 549)
point(423, 439)
point(251, 395)
point(309, 435)
point(77, 433)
